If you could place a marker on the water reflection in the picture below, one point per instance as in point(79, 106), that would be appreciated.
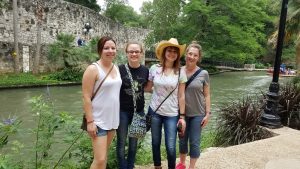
point(225, 87)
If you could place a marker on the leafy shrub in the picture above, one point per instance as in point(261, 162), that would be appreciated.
point(67, 74)
point(289, 105)
point(239, 123)
point(8, 127)
point(260, 66)
point(63, 53)
point(23, 79)
point(296, 81)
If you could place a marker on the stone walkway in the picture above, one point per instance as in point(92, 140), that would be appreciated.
point(279, 152)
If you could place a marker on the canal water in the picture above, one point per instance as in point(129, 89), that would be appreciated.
point(225, 88)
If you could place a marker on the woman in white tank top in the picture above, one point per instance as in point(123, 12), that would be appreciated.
point(102, 113)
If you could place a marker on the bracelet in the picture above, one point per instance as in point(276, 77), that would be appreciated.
point(209, 113)
point(181, 116)
point(88, 122)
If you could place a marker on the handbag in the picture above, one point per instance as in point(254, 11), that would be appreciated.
point(137, 128)
point(149, 115)
point(84, 121)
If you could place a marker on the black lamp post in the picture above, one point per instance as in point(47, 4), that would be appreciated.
point(87, 29)
point(270, 117)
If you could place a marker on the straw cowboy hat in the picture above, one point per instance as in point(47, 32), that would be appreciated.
point(163, 44)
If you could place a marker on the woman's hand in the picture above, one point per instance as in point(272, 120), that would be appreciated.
point(92, 129)
point(183, 124)
point(205, 120)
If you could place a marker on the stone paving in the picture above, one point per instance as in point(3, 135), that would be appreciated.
point(279, 152)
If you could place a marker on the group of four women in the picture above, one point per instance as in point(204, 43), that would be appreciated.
point(111, 108)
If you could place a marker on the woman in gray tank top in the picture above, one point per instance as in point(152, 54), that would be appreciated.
point(197, 106)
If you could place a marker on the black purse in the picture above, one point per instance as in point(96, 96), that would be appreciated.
point(84, 121)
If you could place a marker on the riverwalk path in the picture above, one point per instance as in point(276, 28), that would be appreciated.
point(281, 151)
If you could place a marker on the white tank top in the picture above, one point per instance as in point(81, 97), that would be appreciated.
point(106, 103)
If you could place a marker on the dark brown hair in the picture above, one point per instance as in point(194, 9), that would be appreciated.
point(176, 64)
point(101, 43)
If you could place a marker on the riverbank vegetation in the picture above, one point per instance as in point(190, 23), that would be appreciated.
point(229, 31)
point(239, 121)
point(58, 141)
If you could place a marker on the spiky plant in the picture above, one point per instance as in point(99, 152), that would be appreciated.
point(239, 123)
point(289, 105)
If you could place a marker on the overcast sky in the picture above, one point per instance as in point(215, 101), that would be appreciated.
point(136, 4)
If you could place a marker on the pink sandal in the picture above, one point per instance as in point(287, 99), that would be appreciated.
point(180, 166)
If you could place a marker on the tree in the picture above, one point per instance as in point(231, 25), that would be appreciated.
point(62, 54)
point(121, 12)
point(39, 16)
point(228, 30)
point(92, 4)
point(16, 40)
point(162, 17)
point(292, 31)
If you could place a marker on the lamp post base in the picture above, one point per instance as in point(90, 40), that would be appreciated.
point(271, 121)
point(269, 117)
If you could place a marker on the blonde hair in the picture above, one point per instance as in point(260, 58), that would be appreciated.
point(136, 43)
point(195, 44)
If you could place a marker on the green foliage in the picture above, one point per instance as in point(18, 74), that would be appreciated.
point(231, 31)
point(288, 54)
point(3, 3)
point(260, 66)
point(64, 54)
point(296, 81)
point(208, 139)
point(289, 105)
point(67, 74)
point(92, 4)
point(8, 127)
point(124, 14)
point(238, 123)
point(47, 123)
point(144, 153)
point(120, 58)
point(23, 79)
point(164, 16)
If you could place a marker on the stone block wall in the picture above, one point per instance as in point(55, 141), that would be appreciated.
point(59, 17)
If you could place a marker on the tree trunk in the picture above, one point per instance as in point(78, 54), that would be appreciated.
point(298, 57)
point(39, 16)
point(16, 40)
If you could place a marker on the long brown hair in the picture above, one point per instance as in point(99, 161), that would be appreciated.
point(176, 64)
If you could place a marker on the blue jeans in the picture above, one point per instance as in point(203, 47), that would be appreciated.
point(170, 129)
point(122, 131)
point(192, 135)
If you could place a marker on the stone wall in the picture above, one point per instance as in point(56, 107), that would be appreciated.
point(59, 17)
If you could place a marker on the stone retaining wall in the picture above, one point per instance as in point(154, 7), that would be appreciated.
point(59, 17)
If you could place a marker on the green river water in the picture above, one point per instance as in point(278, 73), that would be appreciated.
point(225, 87)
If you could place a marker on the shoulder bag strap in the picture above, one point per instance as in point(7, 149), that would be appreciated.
point(192, 77)
point(168, 94)
point(94, 94)
point(132, 88)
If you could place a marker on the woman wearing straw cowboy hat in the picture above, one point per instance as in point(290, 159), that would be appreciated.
point(169, 82)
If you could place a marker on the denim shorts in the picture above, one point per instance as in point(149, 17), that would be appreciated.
point(101, 132)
